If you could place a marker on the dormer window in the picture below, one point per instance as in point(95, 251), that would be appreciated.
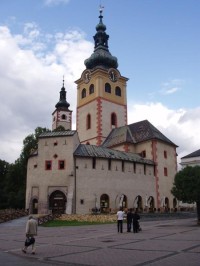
point(143, 154)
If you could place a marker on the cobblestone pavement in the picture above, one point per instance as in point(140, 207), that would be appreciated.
point(163, 242)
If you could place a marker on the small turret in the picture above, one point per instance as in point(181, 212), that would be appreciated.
point(62, 115)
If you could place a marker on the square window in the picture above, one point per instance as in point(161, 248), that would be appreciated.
point(61, 164)
point(48, 165)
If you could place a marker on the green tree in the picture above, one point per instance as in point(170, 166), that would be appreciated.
point(13, 176)
point(30, 143)
point(4, 166)
point(15, 185)
point(59, 128)
point(186, 186)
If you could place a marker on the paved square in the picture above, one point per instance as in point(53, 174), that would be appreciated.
point(163, 242)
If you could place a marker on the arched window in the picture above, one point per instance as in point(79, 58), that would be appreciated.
point(104, 203)
point(91, 89)
point(83, 93)
point(118, 91)
point(150, 204)
point(107, 88)
point(35, 206)
point(113, 120)
point(88, 121)
point(123, 201)
point(138, 204)
point(167, 207)
point(63, 117)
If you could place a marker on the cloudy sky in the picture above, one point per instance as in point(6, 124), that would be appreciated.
point(156, 43)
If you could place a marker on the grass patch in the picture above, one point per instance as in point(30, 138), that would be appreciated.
point(57, 223)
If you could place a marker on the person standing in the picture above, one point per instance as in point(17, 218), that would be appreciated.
point(129, 219)
point(120, 217)
point(31, 231)
point(136, 219)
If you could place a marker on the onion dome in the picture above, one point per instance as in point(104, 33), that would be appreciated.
point(101, 56)
point(62, 102)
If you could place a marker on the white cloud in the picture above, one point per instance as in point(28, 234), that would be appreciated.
point(30, 82)
point(181, 126)
point(171, 86)
point(31, 30)
point(55, 2)
point(172, 90)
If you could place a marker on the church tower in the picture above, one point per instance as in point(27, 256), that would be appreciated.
point(101, 92)
point(62, 116)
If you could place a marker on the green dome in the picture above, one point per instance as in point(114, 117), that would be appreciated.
point(100, 26)
point(101, 56)
point(62, 102)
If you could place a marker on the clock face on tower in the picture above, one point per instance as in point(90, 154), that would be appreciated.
point(113, 75)
point(86, 76)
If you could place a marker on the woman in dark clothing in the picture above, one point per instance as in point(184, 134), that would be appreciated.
point(129, 219)
point(136, 218)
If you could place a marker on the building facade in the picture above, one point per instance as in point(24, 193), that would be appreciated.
point(105, 163)
point(191, 159)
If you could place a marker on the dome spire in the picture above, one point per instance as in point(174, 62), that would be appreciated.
point(63, 81)
point(63, 102)
point(101, 56)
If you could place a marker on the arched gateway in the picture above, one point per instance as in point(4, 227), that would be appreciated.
point(57, 202)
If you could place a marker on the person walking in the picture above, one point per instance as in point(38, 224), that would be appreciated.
point(129, 219)
point(136, 219)
point(120, 217)
point(31, 231)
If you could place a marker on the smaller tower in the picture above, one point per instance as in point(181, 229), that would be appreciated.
point(62, 116)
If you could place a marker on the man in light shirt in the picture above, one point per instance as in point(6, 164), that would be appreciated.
point(120, 217)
